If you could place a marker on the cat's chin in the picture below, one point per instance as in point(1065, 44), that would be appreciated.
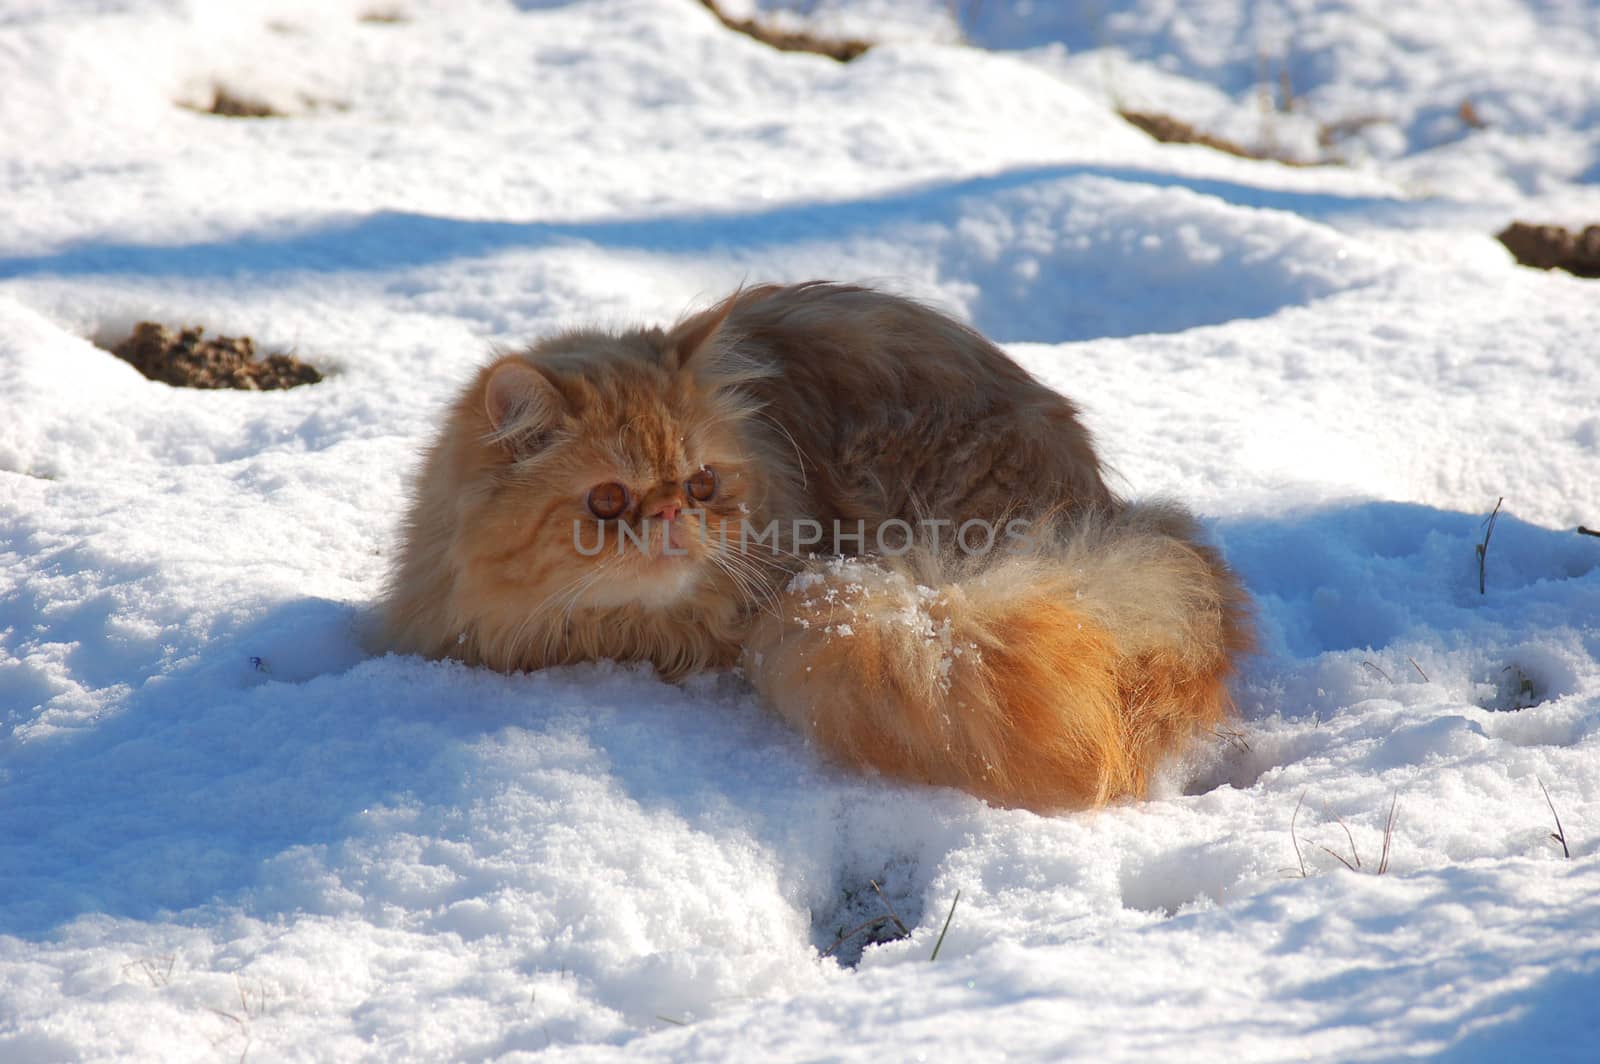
point(657, 584)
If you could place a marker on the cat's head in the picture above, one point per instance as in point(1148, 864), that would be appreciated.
point(609, 470)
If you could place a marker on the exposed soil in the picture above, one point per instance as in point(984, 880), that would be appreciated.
point(1331, 134)
point(184, 358)
point(230, 105)
point(790, 40)
point(1169, 130)
point(1550, 247)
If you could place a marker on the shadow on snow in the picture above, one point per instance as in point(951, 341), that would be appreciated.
point(203, 775)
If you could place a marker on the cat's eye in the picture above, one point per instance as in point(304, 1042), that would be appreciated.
point(608, 500)
point(702, 486)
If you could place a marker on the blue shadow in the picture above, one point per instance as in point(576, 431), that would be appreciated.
point(387, 240)
point(1367, 574)
point(203, 775)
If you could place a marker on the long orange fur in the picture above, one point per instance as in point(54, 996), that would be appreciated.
point(1055, 671)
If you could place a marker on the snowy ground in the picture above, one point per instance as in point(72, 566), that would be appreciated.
point(336, 857)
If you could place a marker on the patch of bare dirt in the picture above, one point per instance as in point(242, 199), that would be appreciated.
point(790, 40)
point(1550, 247)
point(1169, 130)
point(229, 104)
point(185, 358)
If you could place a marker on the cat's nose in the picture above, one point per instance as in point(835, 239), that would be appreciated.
point(665, 511)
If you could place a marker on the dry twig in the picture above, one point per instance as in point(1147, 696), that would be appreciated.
point(947, 916)
point(876, 921)
point(901, 924)
point(1292, 837)
point(1379, 671)
point(1560, 833)
point(1483, 548)
point(1388, 834)
point(1351, 838)
point(789, 40)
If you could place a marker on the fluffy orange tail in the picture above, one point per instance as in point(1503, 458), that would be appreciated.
point(1051, 680)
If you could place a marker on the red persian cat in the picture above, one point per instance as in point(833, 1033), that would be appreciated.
point(902, 538)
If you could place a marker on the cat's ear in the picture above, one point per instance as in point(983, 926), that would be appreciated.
point(523, 406)
point(695, 334)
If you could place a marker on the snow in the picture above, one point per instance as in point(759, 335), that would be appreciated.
point(230, 831)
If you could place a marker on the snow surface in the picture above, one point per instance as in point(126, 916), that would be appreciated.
point(227, 831)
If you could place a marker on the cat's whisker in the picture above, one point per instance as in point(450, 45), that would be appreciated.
point(578, 593)
point(751, 582)
point(592, 578)
point(799, 456)
point(726, 557)
point(518, 635)
point(734, 577)
point(537, 611)
point(771, 558)
point(766, 581)
point(537, 615)
point(761, 579)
